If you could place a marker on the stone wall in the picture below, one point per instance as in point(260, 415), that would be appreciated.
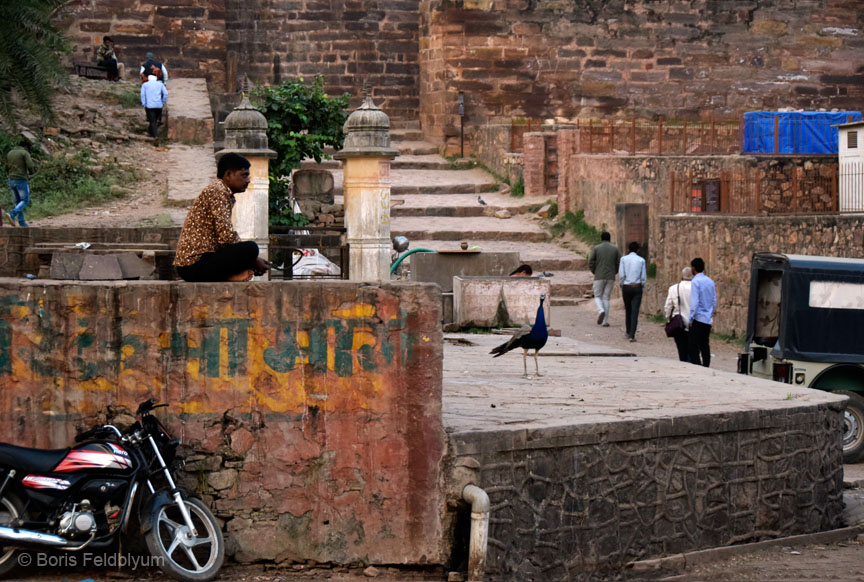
point(727, 244)
point(189, 36)
point(571, 503)
point(348, 42)
point(751, 185)
point(548, 59)
point(310, 412)
point(512, 59)
point(14, 242)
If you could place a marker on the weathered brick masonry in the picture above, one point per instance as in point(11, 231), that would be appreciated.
point(190, 36)
point(540, 59)
point(346, 41)
point(311, 412)
point(511, 58)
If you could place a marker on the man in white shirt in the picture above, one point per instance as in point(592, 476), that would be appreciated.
point(678, 303)
point(632, 277)
point(153, 99)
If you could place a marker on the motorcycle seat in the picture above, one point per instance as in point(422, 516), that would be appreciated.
point(30, 460)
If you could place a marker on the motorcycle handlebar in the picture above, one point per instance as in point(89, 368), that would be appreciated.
point(97, 431)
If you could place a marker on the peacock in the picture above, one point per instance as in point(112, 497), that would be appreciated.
point(528, 338)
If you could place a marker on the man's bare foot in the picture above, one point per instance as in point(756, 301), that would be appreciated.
point(240, 277)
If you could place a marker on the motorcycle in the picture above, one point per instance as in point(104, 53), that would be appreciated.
point(81, 497)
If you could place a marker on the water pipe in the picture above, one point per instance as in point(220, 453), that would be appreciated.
point(479, 541)
point(411, 252)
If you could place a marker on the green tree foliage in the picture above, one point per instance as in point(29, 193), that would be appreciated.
point(301, 121)
point(30, 45)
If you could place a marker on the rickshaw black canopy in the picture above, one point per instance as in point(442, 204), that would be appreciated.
point(813, 326)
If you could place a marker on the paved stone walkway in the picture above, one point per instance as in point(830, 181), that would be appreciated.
point(584, 384)
point(190, 167)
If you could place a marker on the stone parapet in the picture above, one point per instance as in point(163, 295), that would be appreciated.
point(310, 413)
point(611, 459)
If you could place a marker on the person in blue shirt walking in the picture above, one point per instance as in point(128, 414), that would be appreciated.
point(703, 302)
point(632, 277)
point(153, 99)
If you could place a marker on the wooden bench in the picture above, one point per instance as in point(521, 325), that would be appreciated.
point(91, 71)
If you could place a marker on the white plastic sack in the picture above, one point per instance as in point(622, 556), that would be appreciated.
point(314, 263)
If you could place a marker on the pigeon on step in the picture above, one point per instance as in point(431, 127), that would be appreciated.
point(481, 201)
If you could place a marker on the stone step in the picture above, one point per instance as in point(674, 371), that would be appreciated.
point(404, 124)
point(420, 162)
point(402, 162)
point(468, 229)
point(414, 148)
point(400, 135)
point(407, 182)
point(456, 205)
point(541, 256)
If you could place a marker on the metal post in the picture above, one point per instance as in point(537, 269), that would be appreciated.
point(461, 124)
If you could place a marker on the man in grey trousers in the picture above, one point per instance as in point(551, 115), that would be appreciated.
point(603, 262)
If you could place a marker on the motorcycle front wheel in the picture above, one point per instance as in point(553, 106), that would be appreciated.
point(10, 509)
point(181, 555)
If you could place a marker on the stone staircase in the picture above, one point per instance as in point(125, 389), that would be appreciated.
point(437, 207)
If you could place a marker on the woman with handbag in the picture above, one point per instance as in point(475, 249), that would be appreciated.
point(677, 312)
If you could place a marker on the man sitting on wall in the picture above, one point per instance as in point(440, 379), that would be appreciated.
point(209, 250)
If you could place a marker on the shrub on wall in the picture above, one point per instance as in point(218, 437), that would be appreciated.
point(301, 121)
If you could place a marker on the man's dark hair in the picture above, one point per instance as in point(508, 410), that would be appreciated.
point(605, 236)
point(698, 265)
point(231, 162)
point(634, 246)
point(107, 39)
point(523, 269)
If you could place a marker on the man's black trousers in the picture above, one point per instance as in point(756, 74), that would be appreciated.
point(632, 295)
point(227, 261)
point(154, 116)
point(699, 335)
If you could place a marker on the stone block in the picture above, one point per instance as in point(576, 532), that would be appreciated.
point(498, 301)
point(100, 268)
point(441, 268)
point(133, 267)
point(66, 265)
point(316, 185)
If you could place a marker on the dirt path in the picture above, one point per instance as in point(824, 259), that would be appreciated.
point(88, 121)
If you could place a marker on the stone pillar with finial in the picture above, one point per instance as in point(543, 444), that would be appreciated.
point(366, 157)
point(246, 134)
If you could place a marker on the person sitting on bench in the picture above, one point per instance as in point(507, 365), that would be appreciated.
point(209, 250)
point(105, 57)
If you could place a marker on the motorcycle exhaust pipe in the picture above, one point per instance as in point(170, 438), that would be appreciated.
point(31, 537)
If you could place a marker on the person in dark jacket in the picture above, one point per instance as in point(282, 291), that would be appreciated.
point(153, 67)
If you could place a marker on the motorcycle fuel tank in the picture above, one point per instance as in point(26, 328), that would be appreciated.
point(95, 456)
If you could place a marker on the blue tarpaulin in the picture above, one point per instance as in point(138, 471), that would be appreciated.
point(797, 133)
